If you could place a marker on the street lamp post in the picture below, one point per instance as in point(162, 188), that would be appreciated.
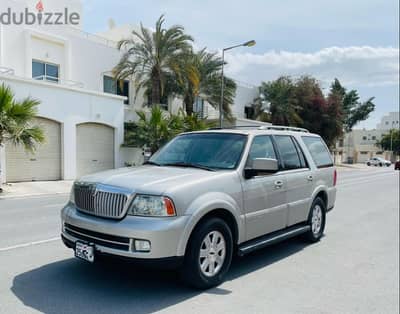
point(246, 44)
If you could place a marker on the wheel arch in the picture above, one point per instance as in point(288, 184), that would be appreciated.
point(219, 208)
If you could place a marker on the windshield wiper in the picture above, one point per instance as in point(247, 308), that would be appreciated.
point(151, 163)
point(189, 165)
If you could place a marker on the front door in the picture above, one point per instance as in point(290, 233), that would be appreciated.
point(264, 195)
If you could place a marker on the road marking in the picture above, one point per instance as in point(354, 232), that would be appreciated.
point(360, 181)
point(9, 248)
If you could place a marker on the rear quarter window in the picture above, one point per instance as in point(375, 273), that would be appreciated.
point(318, 150)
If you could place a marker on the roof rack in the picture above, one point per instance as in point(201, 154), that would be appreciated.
point(283, 128)
point(265, 127)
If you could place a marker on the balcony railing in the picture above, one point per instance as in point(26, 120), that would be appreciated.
point(6, 71)
point(57, 80)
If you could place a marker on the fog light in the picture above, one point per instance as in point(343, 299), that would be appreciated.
point(142, 246)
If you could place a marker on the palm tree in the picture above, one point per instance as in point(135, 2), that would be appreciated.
point(152, 56)
point(154, 129)
point(200, 76)
point(16, 121)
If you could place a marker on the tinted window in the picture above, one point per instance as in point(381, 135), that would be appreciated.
point(318, 151)
point(218, 151)
point(301, 154)
point(45, 71)
point(38, 70)
point(288, 152)
point(112, 86)
point(261, 148)
point(52, 72)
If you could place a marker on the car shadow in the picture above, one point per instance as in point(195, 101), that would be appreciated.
point(74, 286)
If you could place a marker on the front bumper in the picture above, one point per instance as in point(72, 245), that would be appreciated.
point(116, 237)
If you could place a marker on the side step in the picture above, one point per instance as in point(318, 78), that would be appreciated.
point(274, 237)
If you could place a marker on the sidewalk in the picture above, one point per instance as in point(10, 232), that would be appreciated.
point(352, 166)
point(24, 189)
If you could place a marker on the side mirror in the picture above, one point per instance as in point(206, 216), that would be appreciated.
point(261, 165)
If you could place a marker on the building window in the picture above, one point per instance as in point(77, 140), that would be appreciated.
point(374, 138)
point(387, 122)
point(364, 138)
point(45, 71)
point(249, 112)
point(363, 153)
point(112, 86)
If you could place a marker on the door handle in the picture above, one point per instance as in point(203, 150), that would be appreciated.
point(278, 184)
point(310, 178)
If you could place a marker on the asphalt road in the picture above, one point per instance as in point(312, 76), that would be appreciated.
point(353, 269)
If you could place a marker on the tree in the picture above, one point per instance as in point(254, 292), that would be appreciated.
point(283, 105)
point(200, 76)
point(152, 56)
point(353, 111)
point(16, 121)
point(157, 127)
point(391, 141)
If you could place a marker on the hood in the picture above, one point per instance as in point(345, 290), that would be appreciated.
point(150, 179)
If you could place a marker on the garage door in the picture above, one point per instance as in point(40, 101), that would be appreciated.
point(44, 164)
point(95, 148)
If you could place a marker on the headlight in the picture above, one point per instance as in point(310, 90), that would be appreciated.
point(149, 205)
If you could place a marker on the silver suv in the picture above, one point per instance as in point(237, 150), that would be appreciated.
point(204, 197)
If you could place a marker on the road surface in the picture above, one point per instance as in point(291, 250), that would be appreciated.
point(353, 269)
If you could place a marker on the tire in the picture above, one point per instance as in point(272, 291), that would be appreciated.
point(368, 164)
point(191, 272)
point(380, 164)
point(315, 234)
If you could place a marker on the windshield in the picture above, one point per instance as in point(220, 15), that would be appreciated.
point(212, 150)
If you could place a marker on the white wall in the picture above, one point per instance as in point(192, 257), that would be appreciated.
point(72, 106)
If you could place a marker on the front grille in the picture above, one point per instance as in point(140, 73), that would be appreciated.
point(100, 200)
point(103, 239)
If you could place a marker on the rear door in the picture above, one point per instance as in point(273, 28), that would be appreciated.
point(264, 195)
point(299, 178)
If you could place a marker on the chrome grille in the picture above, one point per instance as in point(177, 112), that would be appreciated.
point(100, 200)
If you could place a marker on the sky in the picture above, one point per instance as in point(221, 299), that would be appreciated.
point(355, 41)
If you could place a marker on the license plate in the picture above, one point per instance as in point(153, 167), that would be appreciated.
point(84, 251)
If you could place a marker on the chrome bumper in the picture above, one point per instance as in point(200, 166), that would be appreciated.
point(116, 237)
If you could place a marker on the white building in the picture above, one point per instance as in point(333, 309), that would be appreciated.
point(389, 121)
point(82, 109)
point(65, 69)
point(360, 144)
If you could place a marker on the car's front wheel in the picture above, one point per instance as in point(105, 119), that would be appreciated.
point(208, 255)
point(316, 220)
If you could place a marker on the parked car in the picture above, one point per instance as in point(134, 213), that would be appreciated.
point(378, 161)
point(204, 197)
point(397, 165)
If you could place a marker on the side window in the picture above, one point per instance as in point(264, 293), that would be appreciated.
point(261, 147)
point(288, 152)
point(318, 151)
point(303, 160)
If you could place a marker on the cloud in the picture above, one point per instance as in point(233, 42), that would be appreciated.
point(355, 65)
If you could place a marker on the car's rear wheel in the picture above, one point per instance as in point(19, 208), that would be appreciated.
point(208, 255)
point(380, 164)
point(316, 220)
point(368, 164)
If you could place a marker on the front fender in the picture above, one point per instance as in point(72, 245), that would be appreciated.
point(205, 204)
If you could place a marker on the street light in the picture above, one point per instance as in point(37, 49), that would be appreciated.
point(249, 43)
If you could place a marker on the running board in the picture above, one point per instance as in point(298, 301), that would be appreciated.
point(271, 238)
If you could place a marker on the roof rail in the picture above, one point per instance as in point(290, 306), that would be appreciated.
point(265, 127)
point(283, 128)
